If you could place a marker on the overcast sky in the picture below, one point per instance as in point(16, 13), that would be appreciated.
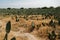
point(28, 3)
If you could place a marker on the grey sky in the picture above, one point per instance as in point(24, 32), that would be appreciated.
point(28, 3)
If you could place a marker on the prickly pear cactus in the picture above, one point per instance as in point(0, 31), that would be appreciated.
point(8, 27)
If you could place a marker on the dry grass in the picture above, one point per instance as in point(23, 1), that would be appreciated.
point(24, 26)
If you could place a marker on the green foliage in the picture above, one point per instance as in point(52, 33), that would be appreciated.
point(31, 11)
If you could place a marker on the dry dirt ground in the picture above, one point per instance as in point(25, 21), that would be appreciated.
point(21, 29)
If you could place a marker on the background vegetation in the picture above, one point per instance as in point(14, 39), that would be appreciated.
point(31, 11)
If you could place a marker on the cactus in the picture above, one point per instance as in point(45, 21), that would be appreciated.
point(59, 36)
point(8, 28)
point(33, 26)
point(52, 23)
point(59, 22)
point(17, 19)
point(38, 26)
point(13, 38)
point(43, 24)
point(49, 36)
point(52, 36)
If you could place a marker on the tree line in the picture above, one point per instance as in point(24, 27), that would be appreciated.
point(31, 11)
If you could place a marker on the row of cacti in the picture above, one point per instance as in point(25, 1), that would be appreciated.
point(51, 36)
point(51, 22)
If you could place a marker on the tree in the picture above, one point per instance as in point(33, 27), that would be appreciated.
point(44, 7)
point(51, 7)
point(21, 8)
point(8, 8)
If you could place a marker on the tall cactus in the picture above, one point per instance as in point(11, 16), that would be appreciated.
point(8, 28)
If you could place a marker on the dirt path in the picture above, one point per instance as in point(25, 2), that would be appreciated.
point(28, 35)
